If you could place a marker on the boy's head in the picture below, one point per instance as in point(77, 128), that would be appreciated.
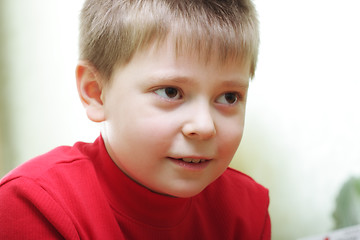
point(112, 31)
point(179, 72)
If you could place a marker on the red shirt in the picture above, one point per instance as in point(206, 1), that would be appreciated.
point(79, 193)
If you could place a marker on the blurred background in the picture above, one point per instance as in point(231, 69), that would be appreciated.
point(302, 133)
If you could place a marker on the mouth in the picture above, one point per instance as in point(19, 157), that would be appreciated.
point(191, 160)
point(192, 164)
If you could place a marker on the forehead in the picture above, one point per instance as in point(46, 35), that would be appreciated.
point(162, 61)
point(204, 49)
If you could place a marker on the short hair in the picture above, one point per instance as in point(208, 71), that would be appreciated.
point(112, 31)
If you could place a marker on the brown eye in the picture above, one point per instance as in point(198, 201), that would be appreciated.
point(229, 98)
point(171, 92)
point(168, 93)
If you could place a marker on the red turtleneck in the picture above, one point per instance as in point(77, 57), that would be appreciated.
point(79, 193)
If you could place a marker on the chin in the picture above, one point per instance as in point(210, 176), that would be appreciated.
point(185, 193)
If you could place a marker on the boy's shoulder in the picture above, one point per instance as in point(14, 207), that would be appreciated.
point(48, 163)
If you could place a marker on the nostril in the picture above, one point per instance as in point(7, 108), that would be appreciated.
point(199, 130)
point(200, 135)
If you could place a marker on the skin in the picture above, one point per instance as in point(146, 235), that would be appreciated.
point(161, 111)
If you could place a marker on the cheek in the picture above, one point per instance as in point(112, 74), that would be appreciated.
point(154, 131)
point(229, 139)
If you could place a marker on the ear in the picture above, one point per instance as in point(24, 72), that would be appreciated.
point(89, 87)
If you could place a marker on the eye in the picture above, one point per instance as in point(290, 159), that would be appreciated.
point(229, 98)
point(169, 93)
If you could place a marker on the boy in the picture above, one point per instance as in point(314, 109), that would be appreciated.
point(169, 81)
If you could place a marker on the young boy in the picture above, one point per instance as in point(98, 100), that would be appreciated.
point(169, 81)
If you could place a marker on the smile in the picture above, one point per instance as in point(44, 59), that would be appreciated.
point(192, 160)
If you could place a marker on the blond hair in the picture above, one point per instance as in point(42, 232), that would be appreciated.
point(112, 31)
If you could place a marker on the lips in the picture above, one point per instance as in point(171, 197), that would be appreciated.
point(192, 160)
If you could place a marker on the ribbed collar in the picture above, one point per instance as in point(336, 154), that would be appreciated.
point(132, 200)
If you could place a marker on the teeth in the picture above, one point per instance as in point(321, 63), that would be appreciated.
point(196, 160)
point(187, 159)
point(192, 160)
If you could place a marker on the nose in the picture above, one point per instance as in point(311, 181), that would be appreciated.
point(199, 124)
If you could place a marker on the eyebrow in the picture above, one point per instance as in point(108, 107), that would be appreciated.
point(170, 78)
point(185, 80)
point(236, 84)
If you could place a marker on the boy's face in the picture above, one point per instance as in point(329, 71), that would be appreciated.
point(173, 124)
